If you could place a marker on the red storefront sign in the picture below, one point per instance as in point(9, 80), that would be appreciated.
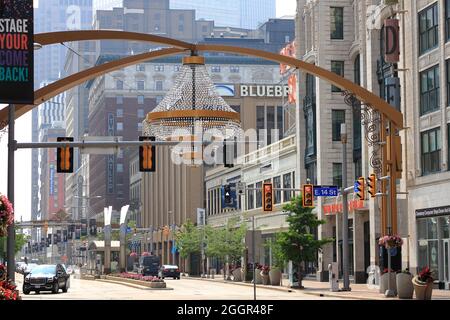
point(333, 209)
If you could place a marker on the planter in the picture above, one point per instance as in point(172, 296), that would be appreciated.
point(265, 279)
point(384, 282)
point(237, 275)
point(258, 277)
point(275, 277)
point(404, 286)
point(423, 290)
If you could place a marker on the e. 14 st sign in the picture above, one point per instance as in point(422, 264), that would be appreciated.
point(326, 191)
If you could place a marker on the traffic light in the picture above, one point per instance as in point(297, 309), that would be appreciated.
point(147, 156)
point(268, 197)
point(227, 195)
point(228, 149)
point(372, 184)
point(360, 188)
point(64, 157)
point(308, 196)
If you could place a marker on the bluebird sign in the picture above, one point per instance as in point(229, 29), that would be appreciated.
point(326, 191)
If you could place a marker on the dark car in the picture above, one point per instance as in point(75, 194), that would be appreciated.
point(149, 266)
point(169, 271)
point(47, 277)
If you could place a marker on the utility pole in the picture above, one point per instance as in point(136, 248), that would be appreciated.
point(345, 257)
point(11, 239)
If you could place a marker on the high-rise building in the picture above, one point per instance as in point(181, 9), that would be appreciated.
point(50, 16)
point(247, 14)
point(105, 5)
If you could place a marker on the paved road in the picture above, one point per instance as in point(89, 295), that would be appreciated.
point(184, 289)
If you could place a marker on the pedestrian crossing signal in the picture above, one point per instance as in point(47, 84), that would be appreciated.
point(268, 196)
point(308, 196)
point(64, 157)
point(147, 156)
point(372, 184)
point(360, 188)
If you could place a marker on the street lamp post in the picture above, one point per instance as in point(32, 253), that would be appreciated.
point(345, 253)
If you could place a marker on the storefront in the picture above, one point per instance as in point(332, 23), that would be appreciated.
point(433, 248)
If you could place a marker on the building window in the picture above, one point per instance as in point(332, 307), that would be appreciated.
point(428, 28)
point(287, 184)
point(176, 68)
point(119, 113)
point(119, 167)
point(234, 69)
point(119, 85)
point(140, 113)
point(260, 124)
point(447, 18)
point(358, 168)
point(258, 188)
point(286, 39)
point(277, 193)
point(448, 81)
point(431, 151)
point(280, 122)
point(159, 68)
point(140, 99)
point(337, 23)
point(119, 126)
point(337, 174)
point(158, 85)
point(215, 69)
point(139, 126)
point(270, 123)
point(429, 90)
point(158, 99)
point(140, 84)
point(204, 29)
point(337, 118)
point(140, 67)
point(338, 68)
point(311, 173)
point(250, 198)
point(119, 99)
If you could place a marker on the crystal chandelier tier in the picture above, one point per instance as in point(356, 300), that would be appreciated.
point(192, 103)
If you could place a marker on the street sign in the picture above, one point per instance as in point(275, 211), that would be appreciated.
point(240, 187)
point(326, 191)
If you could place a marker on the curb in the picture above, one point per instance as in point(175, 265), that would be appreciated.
point(243, 284)
point(132, 285)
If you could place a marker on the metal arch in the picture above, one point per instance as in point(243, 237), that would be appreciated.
point(361, 93)
point(55, 88)
point(49, 38)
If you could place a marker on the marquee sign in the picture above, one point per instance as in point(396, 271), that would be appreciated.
point(16, 52)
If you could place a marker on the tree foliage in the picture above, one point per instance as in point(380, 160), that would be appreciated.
point(21, 241)
point(298, 243)
point(189, 239)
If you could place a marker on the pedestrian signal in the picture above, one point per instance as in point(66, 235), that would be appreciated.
point(308, 196)
point(64, 156)
point(147, 156)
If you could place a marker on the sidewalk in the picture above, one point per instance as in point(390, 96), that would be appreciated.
point(321, 289)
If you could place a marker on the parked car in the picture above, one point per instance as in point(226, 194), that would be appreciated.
point(46, 277)
point(170, 271)
point(149, 265)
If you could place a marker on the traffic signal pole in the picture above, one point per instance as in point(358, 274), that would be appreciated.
point(11, 239)
point(345, 251)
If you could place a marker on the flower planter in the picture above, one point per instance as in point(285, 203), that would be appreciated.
point(275, 277)
point(237, 275)
point(405, 286)
point(258, 277)
point(384, 282)
point(265, 279)
point(423, 290)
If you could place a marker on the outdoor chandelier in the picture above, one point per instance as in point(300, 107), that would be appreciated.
point(192, 107)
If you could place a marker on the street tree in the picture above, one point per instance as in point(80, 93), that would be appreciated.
point(298, 243)
point(20, 242)
point(189, 239)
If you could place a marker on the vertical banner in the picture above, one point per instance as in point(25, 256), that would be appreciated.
point(93, 227)
point(65, 236)
point(71, 231)
point(16, 51)
point(78, 232)
point(392, 40)
point(58, 236)
point(83, 227)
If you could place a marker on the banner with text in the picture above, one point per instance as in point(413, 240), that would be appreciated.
point(16, 51)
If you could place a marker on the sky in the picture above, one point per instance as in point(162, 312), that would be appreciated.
point(23, 157)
